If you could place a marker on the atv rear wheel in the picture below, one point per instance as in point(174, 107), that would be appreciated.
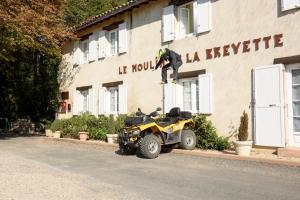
point(150, 146)
point(188, 140)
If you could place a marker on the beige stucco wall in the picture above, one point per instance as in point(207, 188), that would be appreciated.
point(232, 21)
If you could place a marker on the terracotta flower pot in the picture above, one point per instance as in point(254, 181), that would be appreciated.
point(56, 134)
point(49, 133)
point(83, 136)
point(243, 148)
point(112, 138)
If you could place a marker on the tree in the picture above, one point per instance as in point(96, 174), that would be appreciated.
point(79, 10)
point(31, 32)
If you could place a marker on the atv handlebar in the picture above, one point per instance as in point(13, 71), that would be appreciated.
point(139, 113)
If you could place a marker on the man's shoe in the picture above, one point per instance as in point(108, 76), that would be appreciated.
point(163, 82)
point(174, 81)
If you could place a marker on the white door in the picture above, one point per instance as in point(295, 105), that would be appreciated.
point(268, 107)
point(294, 103)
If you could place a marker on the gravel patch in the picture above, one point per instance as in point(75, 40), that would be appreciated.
point(26, 179)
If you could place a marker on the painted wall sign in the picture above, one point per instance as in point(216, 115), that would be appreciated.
point(217, 52)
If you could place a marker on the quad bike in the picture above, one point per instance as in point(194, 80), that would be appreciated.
point(147, 135)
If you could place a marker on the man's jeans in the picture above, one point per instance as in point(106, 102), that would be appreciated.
point(175, 71)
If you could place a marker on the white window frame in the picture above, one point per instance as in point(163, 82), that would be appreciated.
point(116, 42)
point(193, 94)
point(117, 106)
point(180, 34)
point(290, 103)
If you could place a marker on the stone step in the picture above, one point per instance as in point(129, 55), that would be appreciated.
point(289, 152)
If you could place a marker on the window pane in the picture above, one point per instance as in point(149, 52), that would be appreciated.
point(296, 124)
point(117, 101)
point(112, 100)
point(296, 76)
point(85, 52)
point(185, 22)
point(296, 92)
point(84, 94)
point(187, 96)
point(296, 108)
point(112, 42)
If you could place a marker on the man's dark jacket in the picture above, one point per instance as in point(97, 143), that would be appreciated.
point(172, 57)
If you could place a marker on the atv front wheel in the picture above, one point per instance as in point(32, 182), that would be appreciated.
point(150, 146)
point(188, 140)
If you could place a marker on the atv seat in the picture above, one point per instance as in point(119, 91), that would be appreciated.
point(174, 112)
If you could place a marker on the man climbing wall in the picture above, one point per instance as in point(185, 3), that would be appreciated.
point(175, 62)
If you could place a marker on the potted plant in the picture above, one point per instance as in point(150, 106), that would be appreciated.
point(57, 134)
point(84, 134)
point(243, 146)
point(56, 128)
point(112, 137)
point(49, 133)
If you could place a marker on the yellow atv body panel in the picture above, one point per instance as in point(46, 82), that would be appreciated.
point(174, 127)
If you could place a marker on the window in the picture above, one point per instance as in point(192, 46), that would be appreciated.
point(85, 104)
point(113, 42)
point(85, 51)
point(194, 17)
point(190, 95)
point(289, 4)
point(83, 100)
point(185, 19)
point(113, 100)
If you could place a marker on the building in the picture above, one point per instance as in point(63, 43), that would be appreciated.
point(237, 55)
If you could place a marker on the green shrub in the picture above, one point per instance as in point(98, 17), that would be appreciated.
point(206, 135)
point(119, 123)
point(111, 125)
point(56, 125)
point(99, 131)
point(243, 129)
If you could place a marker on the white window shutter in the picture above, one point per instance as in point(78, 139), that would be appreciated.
point(202, 16)
point(205, 94)
point(80, 53)
point(76, 53)
point(75, 103)
point(92, 47)
point(90, 101)
point(102, 44)
point(102, 101)
point(168, 23)
point(289, 4)
point(168, 97)
point(122, 37)
point(179, 96)
point(80, 102)
point(123, 99)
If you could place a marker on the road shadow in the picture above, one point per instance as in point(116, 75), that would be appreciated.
point(10, 135)
point(164, 150)
point(229, 152)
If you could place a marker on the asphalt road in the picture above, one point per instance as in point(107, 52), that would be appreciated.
point(39, 168)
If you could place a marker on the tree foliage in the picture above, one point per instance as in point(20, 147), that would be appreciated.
point(79, 10)
point(31, 32)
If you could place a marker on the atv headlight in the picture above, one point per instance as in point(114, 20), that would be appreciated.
point(136, 132)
